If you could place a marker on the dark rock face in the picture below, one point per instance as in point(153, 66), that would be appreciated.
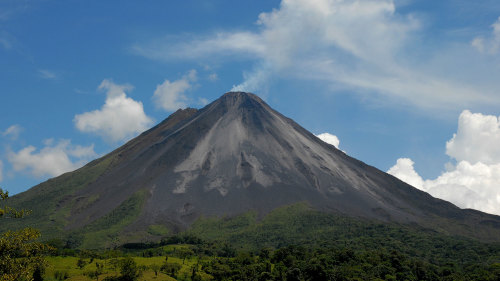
point(238, 154)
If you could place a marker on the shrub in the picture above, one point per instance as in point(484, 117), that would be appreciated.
point(61, 275)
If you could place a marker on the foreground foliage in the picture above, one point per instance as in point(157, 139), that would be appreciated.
point(20, 255)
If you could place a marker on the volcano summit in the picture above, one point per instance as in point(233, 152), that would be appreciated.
point(235, 155)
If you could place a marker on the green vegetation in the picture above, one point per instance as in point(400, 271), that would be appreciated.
point(158, 230)
point(108, 227)
point(291, 243)
point(118, 265)
point(20, 255)
point(209, 260)
point(55, 193)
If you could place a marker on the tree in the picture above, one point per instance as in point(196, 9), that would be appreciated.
point(194, 274)
point(20, 255)
point(171, 268)
point(129, 270)
point(38, 273)
point(94, 274)
point(81, 263)
point(155, 267)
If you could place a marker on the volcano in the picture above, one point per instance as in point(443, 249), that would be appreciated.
point(234, 155)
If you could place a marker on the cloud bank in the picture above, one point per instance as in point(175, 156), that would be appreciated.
point(475, 179)
point(119, 118)
point(364, 46)
point(53, 159)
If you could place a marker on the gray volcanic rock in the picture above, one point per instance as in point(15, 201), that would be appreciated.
point(238, 154)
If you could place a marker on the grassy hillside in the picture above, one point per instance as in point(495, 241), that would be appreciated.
point(82, 269)
point(51, 201)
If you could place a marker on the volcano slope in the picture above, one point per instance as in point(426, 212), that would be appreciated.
point(235, 155)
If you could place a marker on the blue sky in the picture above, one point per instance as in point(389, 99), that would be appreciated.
point(391, 79)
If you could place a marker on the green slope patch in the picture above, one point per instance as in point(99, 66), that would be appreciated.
point(49, 200)
point(108, 230)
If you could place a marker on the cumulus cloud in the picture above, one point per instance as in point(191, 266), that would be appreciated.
point(120, 117)
point(330, 139)
point(477, 139)
point(364, 45)
point(12, 132)
point(404, 171)
point(475, 179)
point(170, 95)
point(52, 160)
point(491, 44)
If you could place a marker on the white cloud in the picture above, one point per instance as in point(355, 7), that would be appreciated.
point(467, 185)
point(489, 45)
point(404, 171)
point(330, 139)
point(52, 160)
point(364, 45)
point(213, 77)
point(475, 180)
point(203, 101)
point(119, 118)
point(477, 139)
point(47, 74)
point(12, 132)
point(255, 81)
point(170, 95)
point(219, 44)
